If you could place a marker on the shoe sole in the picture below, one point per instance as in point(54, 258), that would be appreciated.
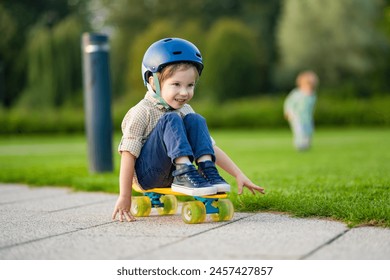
point(193, 191)
point(222, 187)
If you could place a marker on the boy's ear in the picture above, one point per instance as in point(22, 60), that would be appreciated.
point(151, 82)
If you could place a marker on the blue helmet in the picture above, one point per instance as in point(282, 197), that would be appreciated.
point(167, 51)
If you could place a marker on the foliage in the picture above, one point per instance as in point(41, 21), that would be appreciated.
point(40, 71)
point(54, 64)
point(43, 120)
point(346, 42)
point(192, 21)
point(251, 112)
point(234, 61)
point(7, 28)
point(17, 19)
point(267, 112)
point(9, 70)
point(67, 54)
point(341, 43)
point(161, 29)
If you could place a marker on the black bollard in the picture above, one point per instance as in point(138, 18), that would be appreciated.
point(97, 101)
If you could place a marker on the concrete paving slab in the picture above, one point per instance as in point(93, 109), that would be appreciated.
point(13, 194)
point(368, 243)
point(51, 201)
point(55, 223)
point(112, 240)
point(20, 229)
point(257, 236)
point(31, 212)
point(87, 245)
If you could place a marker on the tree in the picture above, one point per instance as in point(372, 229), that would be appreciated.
point(233, 61)
point(17, 19)
point(130, 18)
point(8, 29)
point(53, 64)
point(338, 39)
point(262, 17)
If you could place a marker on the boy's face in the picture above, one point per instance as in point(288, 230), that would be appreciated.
point(178, 89)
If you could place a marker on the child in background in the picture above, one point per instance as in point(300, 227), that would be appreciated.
point(299, 109)
point(163, 138)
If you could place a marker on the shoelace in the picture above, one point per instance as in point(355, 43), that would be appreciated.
point(194, 177)
point(211, 173)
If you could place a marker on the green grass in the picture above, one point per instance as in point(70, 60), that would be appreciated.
point(52, 160)
point(346, 176)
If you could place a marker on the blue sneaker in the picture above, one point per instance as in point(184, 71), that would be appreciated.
point(188, 181)
point(208, 170)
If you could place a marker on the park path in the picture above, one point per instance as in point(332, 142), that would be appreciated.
point(57, 223)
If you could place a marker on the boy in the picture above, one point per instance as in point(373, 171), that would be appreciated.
point(163, 136)
point(299, 108)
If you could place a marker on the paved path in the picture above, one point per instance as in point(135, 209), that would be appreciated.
point(56, 223)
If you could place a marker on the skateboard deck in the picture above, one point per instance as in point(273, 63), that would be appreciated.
point(164, 200)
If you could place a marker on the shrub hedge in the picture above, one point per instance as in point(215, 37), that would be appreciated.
point(259, 112)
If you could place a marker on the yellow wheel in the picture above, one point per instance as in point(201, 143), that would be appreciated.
point(170, 205)
point(193, 212)
point(225, 208)
point(140, 206)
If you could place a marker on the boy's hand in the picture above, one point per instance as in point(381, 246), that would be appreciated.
point(243, 181)
point(122, 208)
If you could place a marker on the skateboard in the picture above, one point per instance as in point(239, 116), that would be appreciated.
point(164, 200)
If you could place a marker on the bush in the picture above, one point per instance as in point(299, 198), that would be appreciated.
point(352, 112)
point(267, 112)
point(23, 121)
point(233, 61)
point(254, 112)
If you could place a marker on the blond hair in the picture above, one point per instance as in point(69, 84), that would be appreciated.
point(171, 69)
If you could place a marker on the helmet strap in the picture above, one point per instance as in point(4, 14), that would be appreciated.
point(157, 93)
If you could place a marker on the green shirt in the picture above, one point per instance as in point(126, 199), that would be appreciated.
point(300, 106)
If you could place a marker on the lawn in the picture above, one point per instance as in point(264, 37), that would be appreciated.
point(346, 176)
